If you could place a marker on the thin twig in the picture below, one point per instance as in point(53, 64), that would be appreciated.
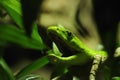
point(96, 62)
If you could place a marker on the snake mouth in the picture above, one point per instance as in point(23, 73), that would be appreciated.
point(53, 36)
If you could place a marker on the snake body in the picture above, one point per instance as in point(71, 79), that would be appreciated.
point(66, 40)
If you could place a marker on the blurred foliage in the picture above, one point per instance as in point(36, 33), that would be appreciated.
point(15, 34)
point(116, 78)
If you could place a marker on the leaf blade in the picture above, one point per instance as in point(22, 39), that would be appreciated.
point(33, 66)
point(12, 34)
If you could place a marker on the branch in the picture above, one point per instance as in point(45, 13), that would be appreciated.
point(96, 62)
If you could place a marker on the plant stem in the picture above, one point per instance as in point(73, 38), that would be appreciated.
point(96, 62)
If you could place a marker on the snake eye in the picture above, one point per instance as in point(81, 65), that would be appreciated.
point(69, 34)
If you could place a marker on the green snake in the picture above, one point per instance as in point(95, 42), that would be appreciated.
point(68, 43)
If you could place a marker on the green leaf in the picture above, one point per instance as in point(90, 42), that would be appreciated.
point(116, 78)
point(13, 7)
point(33, 67)
point(5, 72)
point(35, 35)
point(56, 50)
point(30, 77)
point(12, 34)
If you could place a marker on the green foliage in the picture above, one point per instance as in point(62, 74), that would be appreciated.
point(33, 67)
point(116, 78)
point(14, 35)
point(13, 8)
point(5, 72)
point(30, 77)
point(10, 34)
point(56, 50)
